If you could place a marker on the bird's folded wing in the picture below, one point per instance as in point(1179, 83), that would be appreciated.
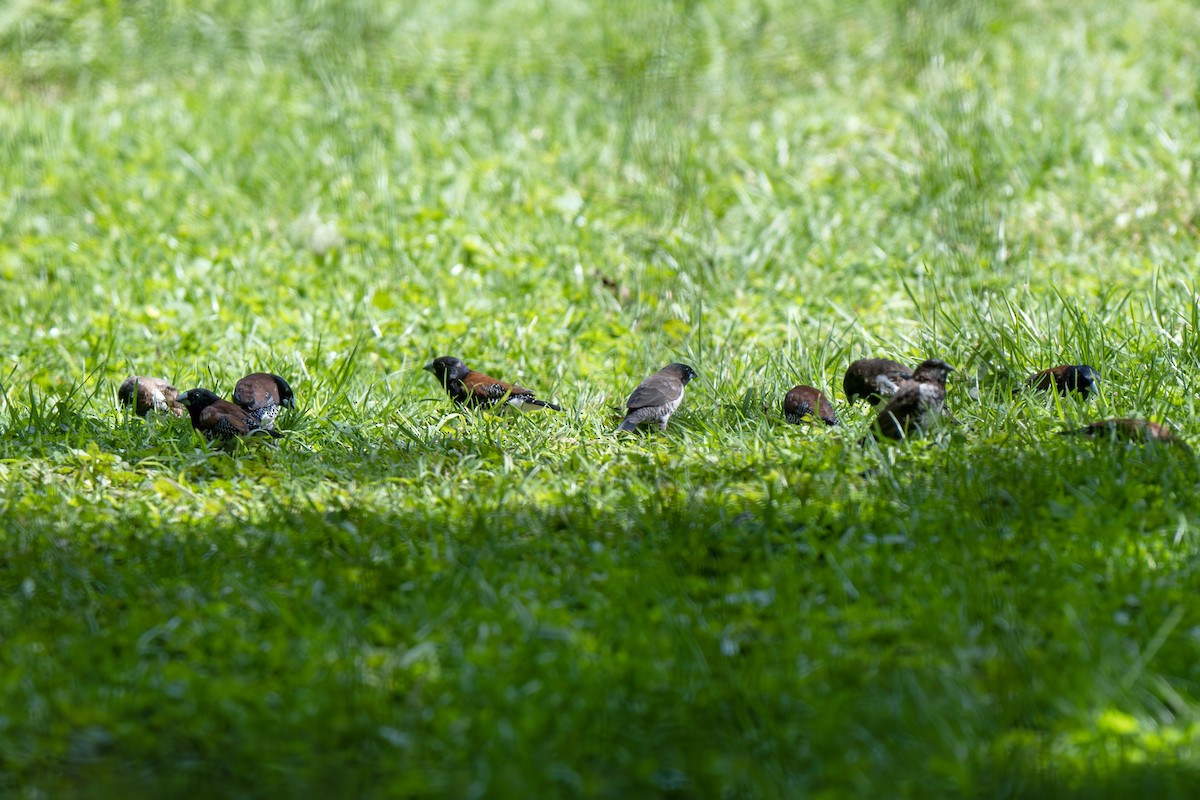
point(654, 393)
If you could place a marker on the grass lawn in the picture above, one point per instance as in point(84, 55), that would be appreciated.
point(405, 599)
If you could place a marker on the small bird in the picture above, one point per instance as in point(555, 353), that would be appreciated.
point(1066, 378)
point(657, 397)
point(874, 379)
point(220, 419)
point(261, 395)
point(807, 401)
point(149, 394)
point(916, 403)
point(476, 390)
point(1128, 430)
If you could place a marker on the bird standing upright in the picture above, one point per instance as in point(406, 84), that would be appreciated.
point(874, 379)
point(1066, 378)
point(261, 395)
point(657, 397)
point(219, 419)
point(476, 390)
point(917, 402)
point(807, 401)
point(149, 394)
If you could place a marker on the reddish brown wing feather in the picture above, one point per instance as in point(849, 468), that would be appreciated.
point(224, 415)
point(487, 389)
point(805, 400)
point(256, 391)
point(825, 411)
point(1046, 379)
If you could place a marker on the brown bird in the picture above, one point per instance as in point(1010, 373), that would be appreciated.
point(807, 401)
point(476, 390)
point(149, 394)
point(1066, 378)
point(657, 397)
point(917, 403)
point(220, 419)
point(874, 379)
point(1128, 430)
point(261, 395)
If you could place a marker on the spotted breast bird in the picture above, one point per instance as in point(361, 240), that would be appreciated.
point(874, 379)
point(1066, 378)
point(807, 401)
point(149, 394)
point(658, 397)
point(917, 402)
point(1128, 430)
point(221, 420)
point(476, 390)
point(262, 395)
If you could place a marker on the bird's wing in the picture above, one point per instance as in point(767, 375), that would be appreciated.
point(654, 391)
point(485, 387)
point(825, 410)
point(1042, 380)
point(217, 418)
point(905, 400)
point(253, 394)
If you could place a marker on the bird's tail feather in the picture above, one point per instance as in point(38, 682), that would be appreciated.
point(627, 425)
point(524, 403)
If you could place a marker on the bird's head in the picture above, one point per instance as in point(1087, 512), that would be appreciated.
point(196, 400)
point(1082, 379)
point(447, 368)
point(286, 398)
point(932, 370)
point(684, 372)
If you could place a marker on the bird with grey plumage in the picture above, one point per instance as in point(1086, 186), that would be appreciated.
point(150, 394)
point(658, 397)
point(476, 390)
point(1066, 379)
point(808, 402)
point(874, 379)
point(262, 396)
point(918, 402)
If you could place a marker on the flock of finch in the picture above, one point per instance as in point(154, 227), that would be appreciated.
point(908, 401)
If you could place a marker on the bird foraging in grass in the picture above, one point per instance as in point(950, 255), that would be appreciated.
point(808, 401)
point(221, 420)
point(149, 394)
point(917, 403)
point(476, 390)
point(262, 395)
point(1127, 429)
point(1065, 379)
point(657, 397)
point(874, 379)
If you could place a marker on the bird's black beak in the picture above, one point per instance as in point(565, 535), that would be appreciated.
point(428, 367)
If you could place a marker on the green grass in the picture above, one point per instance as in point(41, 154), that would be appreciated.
point(404, 599)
